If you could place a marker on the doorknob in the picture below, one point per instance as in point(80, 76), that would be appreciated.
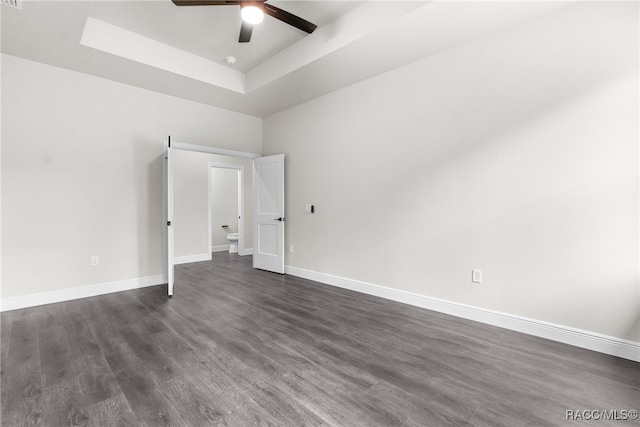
point(279, 219)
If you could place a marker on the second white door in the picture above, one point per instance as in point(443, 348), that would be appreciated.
point(268, 207)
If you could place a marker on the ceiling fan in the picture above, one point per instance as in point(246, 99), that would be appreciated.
point(252, 13)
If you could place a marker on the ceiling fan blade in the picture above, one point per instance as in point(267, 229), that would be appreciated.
point(205, 2)
point(289, 18)
point(245, 32)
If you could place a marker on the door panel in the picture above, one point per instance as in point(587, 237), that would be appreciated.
point(268, 239)
point(268, 206)
point(168, 195)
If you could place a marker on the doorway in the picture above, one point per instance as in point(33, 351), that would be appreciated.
point(226, 206)
point(261, 189)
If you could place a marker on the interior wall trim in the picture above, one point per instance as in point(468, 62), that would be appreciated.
point(211, 150)
point(564, 334)
point(248, 251)
point(42, 298)
point(220, 248)
point(192, 258)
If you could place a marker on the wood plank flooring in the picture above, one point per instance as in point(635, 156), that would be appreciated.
point(242, 347)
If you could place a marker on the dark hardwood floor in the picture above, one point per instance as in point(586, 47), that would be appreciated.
point(242, 347)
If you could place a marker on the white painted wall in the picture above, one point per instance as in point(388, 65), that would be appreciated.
point(82, 174)
point(224, 204)
point(190, 212)
point(516, 154)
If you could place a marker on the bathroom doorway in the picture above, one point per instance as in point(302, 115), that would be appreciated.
point(226, 207)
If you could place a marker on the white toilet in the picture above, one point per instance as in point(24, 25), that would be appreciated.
point(233, 242)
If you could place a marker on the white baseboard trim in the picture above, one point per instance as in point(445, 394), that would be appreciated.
point(191, 258)
point(32, 300)
point(565, 334)
point(247, 252)
point(220, 248)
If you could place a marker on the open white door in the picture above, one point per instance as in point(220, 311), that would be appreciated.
point(168, 192)
point(268, 213)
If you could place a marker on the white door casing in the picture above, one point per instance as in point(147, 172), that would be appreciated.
point(241, 221)
point(268, 208)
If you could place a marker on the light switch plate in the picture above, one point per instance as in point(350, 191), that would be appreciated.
point(476, 276)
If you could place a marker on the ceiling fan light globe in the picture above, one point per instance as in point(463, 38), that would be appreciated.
point(252, 15)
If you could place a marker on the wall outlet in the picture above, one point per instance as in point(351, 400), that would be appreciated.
point(476, 276)
point(307, 208)
point(95, 260)
point(291, 248)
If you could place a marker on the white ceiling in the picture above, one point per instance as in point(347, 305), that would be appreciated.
point(279, 68)
point(212, 31)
